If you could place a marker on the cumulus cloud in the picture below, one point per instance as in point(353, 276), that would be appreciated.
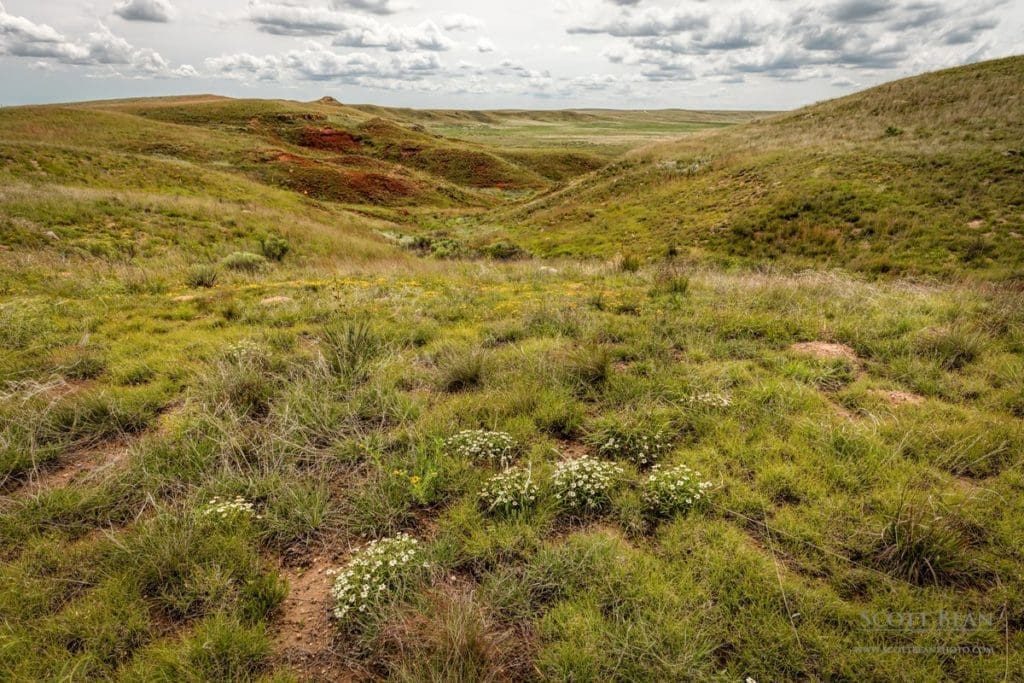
point(653, 21)
point(485, 45)
point(784, 40)
point(348, 29)
point(316, 62)
point(21, 37)
point(374, 6)
point(144, 10)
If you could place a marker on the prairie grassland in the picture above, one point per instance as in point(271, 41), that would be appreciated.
point(881, 478)
point(252, 433)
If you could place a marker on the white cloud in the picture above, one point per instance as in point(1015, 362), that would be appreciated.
point(144, 10)
point(461, 22)
point(20, 37)
point(374, 6)
point(485, 45)
point(348, 29)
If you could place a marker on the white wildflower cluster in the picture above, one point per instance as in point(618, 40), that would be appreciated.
point(511, 491)
point(482, 445)
point(377, 572)
point(224, 507)
point(245, 352)
point(673, 489)
point(710, 399)
point(585, 483)
point(639, 446)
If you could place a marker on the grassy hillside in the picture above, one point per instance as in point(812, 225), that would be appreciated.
point(918, 176)
point(231, 362)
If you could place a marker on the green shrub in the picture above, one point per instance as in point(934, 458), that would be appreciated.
point(244, 261)
point(204, 275)
point(274, 247)
point(504, 251)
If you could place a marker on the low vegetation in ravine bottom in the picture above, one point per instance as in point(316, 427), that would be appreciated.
point(578, 472)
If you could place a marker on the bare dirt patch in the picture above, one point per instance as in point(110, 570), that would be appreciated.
point(898, 397)
point(826, 350)
point(305, 632)
point(86, 462)
point(329, 138)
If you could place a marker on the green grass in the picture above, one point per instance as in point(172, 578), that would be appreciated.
point(322, 387)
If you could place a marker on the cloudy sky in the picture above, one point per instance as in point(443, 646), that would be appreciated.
point(769, 54)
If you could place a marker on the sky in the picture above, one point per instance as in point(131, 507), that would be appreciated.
point(485, 54)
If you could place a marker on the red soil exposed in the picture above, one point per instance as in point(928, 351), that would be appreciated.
point(328, 138)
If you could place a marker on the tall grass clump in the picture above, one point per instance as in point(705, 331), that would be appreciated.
point(348, 348)
point(953, 348)
point(922, 547)
point(461, 369)
point(587, 367)
point(201, 276)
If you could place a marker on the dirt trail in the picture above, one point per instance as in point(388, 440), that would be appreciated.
point(304, 638)
point(78, 464)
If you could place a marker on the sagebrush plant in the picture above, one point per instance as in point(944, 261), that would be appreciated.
point(640, 444)
point(244, 261)
point(482, 445)
point(585, 484)
point(675, 489)
point(274, 247)
point(382, 571)
point(510, 491)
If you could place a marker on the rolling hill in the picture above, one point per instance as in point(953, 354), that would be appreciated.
point(924, 175)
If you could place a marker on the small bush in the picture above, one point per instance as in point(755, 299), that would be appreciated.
point(480, 445)
point(673, 489)
point(244, 261)
point(504, 251)
point(383, 571)
point(274, 247)
point(585, 484)
point(640, 444)
point(511, 491)
point(204, 275)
